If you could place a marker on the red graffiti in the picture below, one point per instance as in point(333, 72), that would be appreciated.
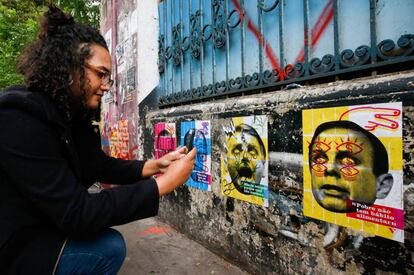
point(320, 26)
point(260, 38)
point(383, 117)
point(156, 230)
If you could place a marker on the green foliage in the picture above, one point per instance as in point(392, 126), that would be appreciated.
point(19, 26)
point(85, 11)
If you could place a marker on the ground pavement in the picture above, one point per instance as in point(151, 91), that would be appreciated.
point(156, 248)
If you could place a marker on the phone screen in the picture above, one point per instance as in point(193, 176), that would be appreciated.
point(189, 139)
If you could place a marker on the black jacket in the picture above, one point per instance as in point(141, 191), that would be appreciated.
point(46, 168)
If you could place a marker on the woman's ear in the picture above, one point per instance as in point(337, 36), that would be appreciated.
point(384, 185)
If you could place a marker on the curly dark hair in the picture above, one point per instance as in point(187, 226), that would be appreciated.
point(61, 48)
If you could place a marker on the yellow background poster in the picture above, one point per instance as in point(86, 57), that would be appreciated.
point(352, 165)
point(244, 165)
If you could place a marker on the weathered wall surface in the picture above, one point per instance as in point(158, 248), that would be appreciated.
point(280, 239)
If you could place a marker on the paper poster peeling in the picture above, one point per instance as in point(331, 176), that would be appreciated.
point(126, 53)
point(244, 165)
point(352, 159)
point(198, 134)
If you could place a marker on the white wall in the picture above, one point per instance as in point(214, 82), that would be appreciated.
point(148, 76)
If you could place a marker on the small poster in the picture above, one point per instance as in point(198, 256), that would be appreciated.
point(113, 141)
point(352, 165)
point(198, 134)
point(244, 164)
point(119, 140)
point(123, 139)
point(165, 140)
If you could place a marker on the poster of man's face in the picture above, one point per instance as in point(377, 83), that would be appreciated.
point(353, 167)
point(245, 160)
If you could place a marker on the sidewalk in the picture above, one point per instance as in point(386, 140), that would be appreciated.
point(156, 248)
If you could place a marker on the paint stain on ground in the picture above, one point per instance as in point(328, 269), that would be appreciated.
point(155, 230)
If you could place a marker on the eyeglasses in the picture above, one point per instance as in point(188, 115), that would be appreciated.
point(103, 75)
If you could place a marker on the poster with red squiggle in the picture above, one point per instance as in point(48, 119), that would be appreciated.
point(353, 167)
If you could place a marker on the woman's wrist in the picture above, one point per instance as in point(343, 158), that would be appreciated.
point(151, 167)
point(163, 185)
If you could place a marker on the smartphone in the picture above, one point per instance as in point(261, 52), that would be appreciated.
point(189, 139)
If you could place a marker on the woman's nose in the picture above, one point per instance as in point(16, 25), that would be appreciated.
point(105, 87)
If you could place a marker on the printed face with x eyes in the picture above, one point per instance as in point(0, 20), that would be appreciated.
point(341, 163)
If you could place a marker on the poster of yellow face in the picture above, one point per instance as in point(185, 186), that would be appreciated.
point(244, 164)
point(352, 166)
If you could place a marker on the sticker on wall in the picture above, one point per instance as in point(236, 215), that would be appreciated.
point(198, 134)
point(244, 164)
point(165, 140)
point(352, 166)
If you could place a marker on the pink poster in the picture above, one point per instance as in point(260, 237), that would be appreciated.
point(165, 140)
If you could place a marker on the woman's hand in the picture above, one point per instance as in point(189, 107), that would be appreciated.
point(169, 158)
point(154, 166)
point(177, 174)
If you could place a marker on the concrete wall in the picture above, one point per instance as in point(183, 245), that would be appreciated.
point(280, 239)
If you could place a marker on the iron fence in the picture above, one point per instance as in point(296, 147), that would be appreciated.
point(213, 48)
